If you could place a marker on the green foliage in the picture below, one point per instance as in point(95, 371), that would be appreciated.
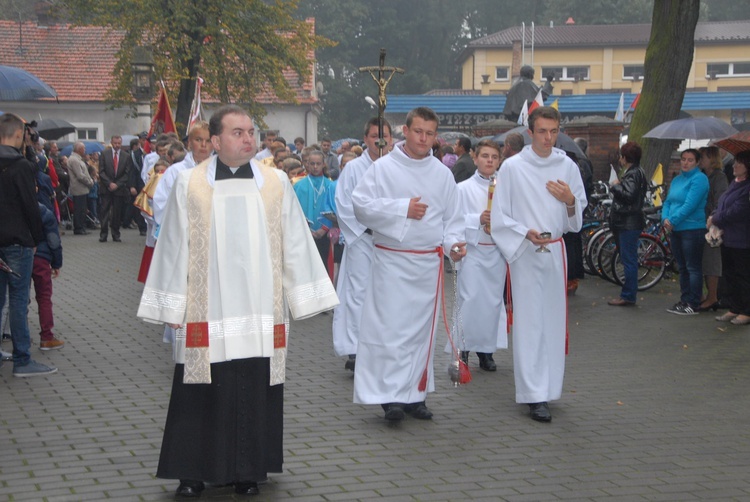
point(239, 47)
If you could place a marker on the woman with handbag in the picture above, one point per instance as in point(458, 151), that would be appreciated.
point(732, 217)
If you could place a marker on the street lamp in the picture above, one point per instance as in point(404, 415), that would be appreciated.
point(143, 73)
point(143, 85)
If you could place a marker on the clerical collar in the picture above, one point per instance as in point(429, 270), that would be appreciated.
point(224, 172)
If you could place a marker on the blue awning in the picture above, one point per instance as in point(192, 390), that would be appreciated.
point(605, 104)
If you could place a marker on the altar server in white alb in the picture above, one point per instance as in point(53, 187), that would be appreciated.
point(410, 201)
point(234, 255)
point(481, 275)
point(539, 190)
point(354, 274)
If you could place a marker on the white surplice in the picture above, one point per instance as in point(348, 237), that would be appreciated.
point(354, 272)
point(395, 345)
point(538, 280)
point(481, 276)
point(167, 181)
point(261, 263)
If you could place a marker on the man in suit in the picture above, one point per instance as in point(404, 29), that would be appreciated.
point(114, 169)
point(464, 167)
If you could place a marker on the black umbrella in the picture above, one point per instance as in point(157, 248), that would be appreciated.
point(564, 142)
point(19, 85)
point(50, 129)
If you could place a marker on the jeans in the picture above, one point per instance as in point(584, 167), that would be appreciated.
point(687, 246)
point(20, 260)
point(627, 243)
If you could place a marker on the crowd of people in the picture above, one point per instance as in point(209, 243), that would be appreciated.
point(365, 231)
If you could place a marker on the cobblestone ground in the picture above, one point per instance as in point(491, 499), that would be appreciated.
point(655, 407)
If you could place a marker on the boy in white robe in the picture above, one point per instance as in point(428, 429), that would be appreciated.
point(539, 190)
point(354, 275)
point(481, 275)
point(409, 200)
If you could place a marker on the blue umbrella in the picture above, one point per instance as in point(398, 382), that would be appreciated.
point(19, 85)
point(91, 147)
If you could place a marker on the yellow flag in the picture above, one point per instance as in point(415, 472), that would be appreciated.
point(555, 105)
point(657, 179)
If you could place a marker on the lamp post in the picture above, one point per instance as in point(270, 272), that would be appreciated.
point(143, 85)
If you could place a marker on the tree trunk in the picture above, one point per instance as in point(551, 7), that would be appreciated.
point(669, 57)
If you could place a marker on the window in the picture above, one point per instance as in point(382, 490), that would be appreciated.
point(739, 69)
point(87, 133)
point(501, 73)
point(566, 72)
point(632, 72)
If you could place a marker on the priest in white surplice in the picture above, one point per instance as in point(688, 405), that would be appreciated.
point(234, 256)
point(354, 274)
point(539, 190)
point(481, 275)
point(410, 202)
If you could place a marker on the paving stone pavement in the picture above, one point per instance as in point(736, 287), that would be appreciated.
point(655, 408)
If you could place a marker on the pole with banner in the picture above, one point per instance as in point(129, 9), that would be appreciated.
point(382, 82)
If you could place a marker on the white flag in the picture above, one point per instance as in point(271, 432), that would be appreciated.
point(612, 175)
point(620, 113)
point(523, 117)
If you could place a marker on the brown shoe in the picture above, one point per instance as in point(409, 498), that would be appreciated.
point(619, 302)
point(51, 344)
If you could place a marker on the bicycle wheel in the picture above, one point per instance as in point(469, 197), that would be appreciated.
point(589, 229)
point(652, 263)
point(605, 256)
point(592, 250)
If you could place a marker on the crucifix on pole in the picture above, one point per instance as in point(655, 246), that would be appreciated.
point(382, 82)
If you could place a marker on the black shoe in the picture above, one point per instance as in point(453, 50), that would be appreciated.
point(419, 411)
point(349, 364)
point(80, 232)
point(486, 362)
point(465, 356)
point(103, 238)
point(394, 412)
point(143, 233)
point(247, 488)
point(540, 412)
point(189, 489)
point(116, 239)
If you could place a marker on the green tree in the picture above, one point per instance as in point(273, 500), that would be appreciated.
point(241, 48)
point(669, 57)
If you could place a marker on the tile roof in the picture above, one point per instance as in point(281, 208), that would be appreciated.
point(77, 61)
point(613, 34)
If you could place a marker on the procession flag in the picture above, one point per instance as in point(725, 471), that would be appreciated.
point(195, 108)
point(162, 121)
point(538, 101)
point(620, 113)
point(523, 117)
point(555, 104)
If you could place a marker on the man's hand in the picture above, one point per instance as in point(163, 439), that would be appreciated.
point(667, 225)
point(458, 251)
point(533, 236)
point(417, 209)
point(55, 273)
point(484, 220)
point(561, 191)
point(112, 187)
point(174, 326)
point(132, 191)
